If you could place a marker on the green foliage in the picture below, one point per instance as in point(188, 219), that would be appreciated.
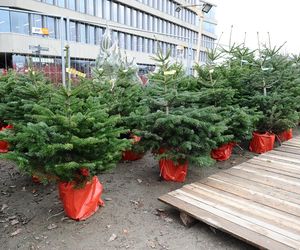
point(263, 81)
point(65, 134)
point(115, 77)
point(172, 117)
point(19, 93)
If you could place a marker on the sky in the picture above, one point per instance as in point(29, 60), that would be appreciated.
point(280, 18)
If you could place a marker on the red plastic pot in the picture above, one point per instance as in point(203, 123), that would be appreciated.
point(129, 155)
point(285, 135)
point(4, 144)
point(81, 203)
point(170, 171)
point(223, 152)
point(261, 143)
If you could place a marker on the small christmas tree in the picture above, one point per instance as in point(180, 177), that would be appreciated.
point(73, 138)
point(117, 80)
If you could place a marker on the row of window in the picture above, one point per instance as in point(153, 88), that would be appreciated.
point(120, 13)
point(18, 22)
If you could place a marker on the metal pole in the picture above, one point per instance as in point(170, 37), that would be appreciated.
point(189, 56)
point(62, 47)
point(200, 15)
point(68, 42)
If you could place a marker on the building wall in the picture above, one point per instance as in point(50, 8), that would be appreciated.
point(140, 26)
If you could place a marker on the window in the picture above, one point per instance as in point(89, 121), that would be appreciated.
point(140, 20)
point(140, 44)
point(80, 6)
point(60, 3)
point(145, 47)
point(91, 34)
point(72, 4)
point(49, 1)
point(50, 24)
point(145, 23)
point(81, 33)
point(58, 31)
point(114, 12)
point(89, 7)
point(127, 16)
point(134, 19)
point(150, 24)
point(19, 22)
point(128, 42)
point(121, 15)
point(73, 34)
point(36, 22)
point(107, 10)
point(99, 8)
point(4, 21)
point(122, 40)
point(99, 34)
point(134, 43)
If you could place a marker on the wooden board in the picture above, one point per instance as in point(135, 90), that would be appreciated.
point(257, 201)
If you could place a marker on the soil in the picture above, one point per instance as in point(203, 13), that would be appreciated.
point(132, 218)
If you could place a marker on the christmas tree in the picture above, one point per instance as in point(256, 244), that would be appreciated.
point(172, 118)
point(72, 138)
point(115, 76)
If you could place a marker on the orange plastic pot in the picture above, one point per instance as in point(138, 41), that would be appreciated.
point(223, 152)
point(261, 143)
point(285, 135)
point(170, 171)
point(81, 203)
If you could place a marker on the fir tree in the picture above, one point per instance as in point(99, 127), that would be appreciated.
point(173, 118)
point(71, 134)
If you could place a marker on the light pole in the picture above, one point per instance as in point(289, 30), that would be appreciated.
point(205, 8)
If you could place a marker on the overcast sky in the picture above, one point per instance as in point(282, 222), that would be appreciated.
point(280, 18)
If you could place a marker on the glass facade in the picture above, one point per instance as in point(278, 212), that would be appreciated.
point(18, 22)
point(4, 21)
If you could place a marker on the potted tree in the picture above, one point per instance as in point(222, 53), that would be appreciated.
point(172, 122)
point(116, 77)
point(71, 139)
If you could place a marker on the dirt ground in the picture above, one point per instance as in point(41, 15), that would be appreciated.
point(129, 220)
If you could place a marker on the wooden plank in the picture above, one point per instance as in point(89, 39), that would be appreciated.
point(293, 144)
point(284, 148)
point(284, 154)
point(265, 179)
point(280, 159)
point(225, 224)
point(247, 223)
point(288, 168)
point(271, 231)
point(251, 168)
point(280, 222)
point(258, 187)
point(273, 169)
point(269, 159)
point(258, 195)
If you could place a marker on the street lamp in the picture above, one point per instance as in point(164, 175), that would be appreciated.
point(206, 7)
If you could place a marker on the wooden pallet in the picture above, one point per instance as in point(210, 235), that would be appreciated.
point(257, 201)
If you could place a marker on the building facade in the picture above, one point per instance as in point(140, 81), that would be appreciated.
point(36, 29)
